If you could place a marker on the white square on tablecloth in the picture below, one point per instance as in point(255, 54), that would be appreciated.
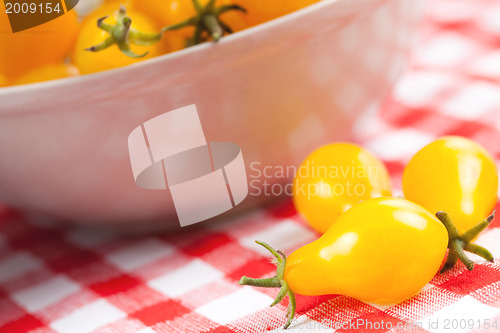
point(184, 279)
point(472, 101)
point(48, 292)
point(18, 264)
point(399, 145)
point(489, 21)
point(88, 318)
point(417, 89)
point(139, 254)
point(235, 305)
point(487, 65)
point(466, 308)
point(287, 235)
point(147, 330)
point(447, 49)
point(453, 11)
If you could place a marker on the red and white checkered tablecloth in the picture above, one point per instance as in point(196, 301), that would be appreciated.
point(72, 280)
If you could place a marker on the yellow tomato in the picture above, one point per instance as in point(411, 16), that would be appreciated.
point(382, 250)
point(170, 12)
point(455, 175)
point(48, 72)
point(48, 43)
point(260, 11)
point(110, 7)
point(335, 177)
point(112, 57)
point(165, 12)
point(3, 81)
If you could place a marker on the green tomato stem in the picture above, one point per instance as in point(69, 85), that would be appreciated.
point(266, 283)
point(451, 260)
point(125, 49)
point(275, 253)
point(141, 38)
point(197, 38)
point(207, 22)
point(281, 295)
point(276, 281)
point(457, 246)
point(197, 6)
point(472, 233)
point(213, 26)
point(104, 26)
point(210, 5)
point(189, 22)
point(101, 46)
point(290, 313)
point(122, 35)
point(457, 243)
point(120, 31)
point(479, 250)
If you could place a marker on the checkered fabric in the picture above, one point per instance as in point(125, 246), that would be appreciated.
point(73, 280)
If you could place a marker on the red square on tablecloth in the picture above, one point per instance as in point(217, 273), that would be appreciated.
point(115, 285)
point(160, 312)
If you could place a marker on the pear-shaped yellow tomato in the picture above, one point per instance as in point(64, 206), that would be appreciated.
point(47, 43)
point(335, 177)
point(455, 175)
point(382, 250)
point(47, 73)
point(90, 62)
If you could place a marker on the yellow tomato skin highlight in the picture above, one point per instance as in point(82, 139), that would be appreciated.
point(455, 175)
point(335, 177)
point(47, 43)
point(91, 62)
point(382, 250)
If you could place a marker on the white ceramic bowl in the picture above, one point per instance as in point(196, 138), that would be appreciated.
point(278, 90)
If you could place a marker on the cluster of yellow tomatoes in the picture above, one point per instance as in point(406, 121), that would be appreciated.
point(376, 247)
point(60, 48)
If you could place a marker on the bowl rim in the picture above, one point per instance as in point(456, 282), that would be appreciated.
point(318, 6)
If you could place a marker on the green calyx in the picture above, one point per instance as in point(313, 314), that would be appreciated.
point(276, 281)
point(457, 243)
point(207, 23)
point(123, 35)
